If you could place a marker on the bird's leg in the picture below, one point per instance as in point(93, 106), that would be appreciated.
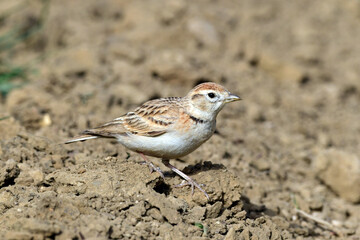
point(152, 166)
point(189, 181)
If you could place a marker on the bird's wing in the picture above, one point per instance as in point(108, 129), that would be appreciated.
point(152, 119)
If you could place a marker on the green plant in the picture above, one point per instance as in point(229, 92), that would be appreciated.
point(202, 227)
point(15, 75)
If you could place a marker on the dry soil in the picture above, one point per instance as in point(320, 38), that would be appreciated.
point(283, 163)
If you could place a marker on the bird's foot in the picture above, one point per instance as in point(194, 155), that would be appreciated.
point(154, 169)
point(193, 184)
point(187, 181)
point(152, 166)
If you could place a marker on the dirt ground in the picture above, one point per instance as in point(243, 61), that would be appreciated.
point(284, 163)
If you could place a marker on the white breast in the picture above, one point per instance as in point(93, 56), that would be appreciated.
point(172, 144)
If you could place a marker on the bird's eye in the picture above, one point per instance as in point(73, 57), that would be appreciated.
point(211, 95)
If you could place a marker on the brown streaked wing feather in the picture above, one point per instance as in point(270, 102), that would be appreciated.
point(110, 129)
point(152, 119)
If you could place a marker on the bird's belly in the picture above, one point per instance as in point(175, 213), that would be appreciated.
point(169, 145)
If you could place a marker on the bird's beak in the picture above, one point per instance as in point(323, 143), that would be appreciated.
point(232, 98)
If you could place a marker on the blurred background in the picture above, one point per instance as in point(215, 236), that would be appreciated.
point(290, 148)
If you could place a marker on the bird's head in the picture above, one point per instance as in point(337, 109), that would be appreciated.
point(207, 99)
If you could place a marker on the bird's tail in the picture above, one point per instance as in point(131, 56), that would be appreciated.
point(81, 138)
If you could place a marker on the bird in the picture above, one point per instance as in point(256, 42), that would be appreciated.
point(167, 128)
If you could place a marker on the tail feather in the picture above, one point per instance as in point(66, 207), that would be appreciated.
point(81, 138)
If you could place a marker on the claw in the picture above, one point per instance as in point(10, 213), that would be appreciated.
point(152, 166)
point(187, 181)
